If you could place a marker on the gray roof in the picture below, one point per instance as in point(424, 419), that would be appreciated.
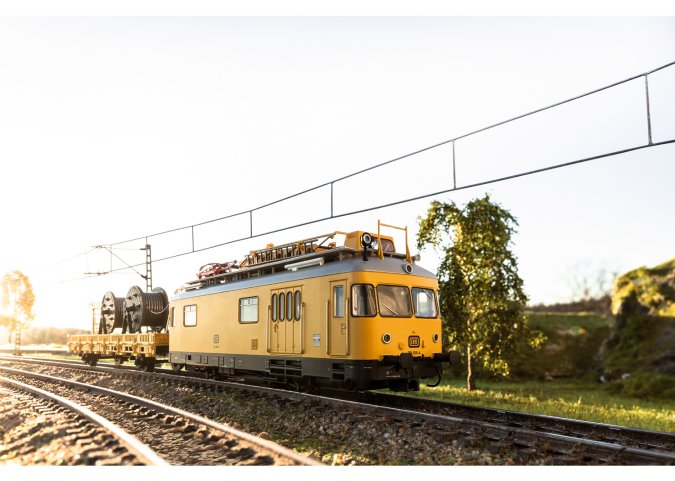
point(357, 264)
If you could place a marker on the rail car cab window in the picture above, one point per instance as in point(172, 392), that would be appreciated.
point(248, 310)
point(289, 305)
point(298, 305)
point(394, 301)
point(274, 307)
point(387, 245)
point(282, 306)
point(363, 300)
point(338, 301)
point(190, 315)
point(172, 317)
point(424, 302)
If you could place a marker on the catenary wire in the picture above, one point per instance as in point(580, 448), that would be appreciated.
point(382, 164)
point(416, 152)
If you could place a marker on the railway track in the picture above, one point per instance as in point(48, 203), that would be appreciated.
point(52, 419)
point(179, 437)
point(609, 433)
point(559, 440)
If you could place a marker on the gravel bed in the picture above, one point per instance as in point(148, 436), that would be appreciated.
point(35, 431)
point(179, 440)
point(335, 436)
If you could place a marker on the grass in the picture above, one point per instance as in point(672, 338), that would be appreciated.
point(564, 398)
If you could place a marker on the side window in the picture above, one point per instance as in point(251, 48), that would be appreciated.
point(282, 307)
point(172, 317)
point(274, 307)
point(298, 305)
point(190, 315)
point(338, 301)
point(248, 310)
point(289, 305)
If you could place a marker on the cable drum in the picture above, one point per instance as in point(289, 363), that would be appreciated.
point(112, 310)
point(146, 309)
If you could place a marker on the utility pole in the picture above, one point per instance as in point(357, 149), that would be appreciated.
point(148, 266)
point(95, 319)
point(17, 339)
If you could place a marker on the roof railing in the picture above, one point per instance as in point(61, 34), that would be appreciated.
point(380, 252)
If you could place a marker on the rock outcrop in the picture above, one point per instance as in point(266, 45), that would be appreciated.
point(642, 341)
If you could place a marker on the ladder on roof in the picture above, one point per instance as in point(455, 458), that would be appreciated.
point(290, 250)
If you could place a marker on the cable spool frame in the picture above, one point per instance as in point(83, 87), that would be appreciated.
point(146, 309)
point(112, 313)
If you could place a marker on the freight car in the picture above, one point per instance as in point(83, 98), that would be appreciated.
point(311, 313)
point(130, 314)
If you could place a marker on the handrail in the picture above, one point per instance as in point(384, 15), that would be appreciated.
point(328, 327)
point(267, 336)
point(347, 308)
point(302, 328)
point(380, 252)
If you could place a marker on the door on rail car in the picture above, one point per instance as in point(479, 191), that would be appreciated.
point(337, 319)
point(285, 320)
point(294, 319)
point(277, 324)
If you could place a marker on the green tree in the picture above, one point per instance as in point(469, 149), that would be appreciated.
point(480, 292)
point(16, 293)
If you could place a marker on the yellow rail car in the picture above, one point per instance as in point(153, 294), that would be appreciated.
point(356, 316)
point(144, 348)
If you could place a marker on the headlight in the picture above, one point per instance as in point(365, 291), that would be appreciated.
point(435, 337)
point(386, 338)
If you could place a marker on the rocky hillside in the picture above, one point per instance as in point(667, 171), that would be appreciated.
point(639, 354)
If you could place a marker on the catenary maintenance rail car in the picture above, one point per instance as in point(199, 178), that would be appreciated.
point(308, 313)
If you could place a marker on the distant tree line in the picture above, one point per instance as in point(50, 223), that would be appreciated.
point(598, 305)
point(48, 335)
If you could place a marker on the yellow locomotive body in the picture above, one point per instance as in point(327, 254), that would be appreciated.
point(314, 314)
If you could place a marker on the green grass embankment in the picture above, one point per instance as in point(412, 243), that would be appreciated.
point(565, 398)
point(561, 379)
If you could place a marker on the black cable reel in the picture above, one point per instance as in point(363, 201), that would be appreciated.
point(146, 309)
point(112, 310)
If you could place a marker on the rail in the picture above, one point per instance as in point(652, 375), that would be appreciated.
point(141, 451)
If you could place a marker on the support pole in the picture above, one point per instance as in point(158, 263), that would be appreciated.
point(17, 339)
point(148, 268)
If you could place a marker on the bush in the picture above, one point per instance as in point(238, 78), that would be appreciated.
point(646, 386)
point(572, 342)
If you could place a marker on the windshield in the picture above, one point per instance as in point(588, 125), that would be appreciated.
point(387, 245)
point(363, 300)
point(424, 301)
point(394, 301)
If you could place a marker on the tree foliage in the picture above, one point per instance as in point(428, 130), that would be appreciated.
point(480, 292)
point(16, 299)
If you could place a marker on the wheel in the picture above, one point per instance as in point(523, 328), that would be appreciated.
point(92, 361)
point(146, 364)
point(175, 367)
point(119, 360)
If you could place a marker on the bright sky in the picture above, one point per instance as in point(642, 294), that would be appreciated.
point(114, 128)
